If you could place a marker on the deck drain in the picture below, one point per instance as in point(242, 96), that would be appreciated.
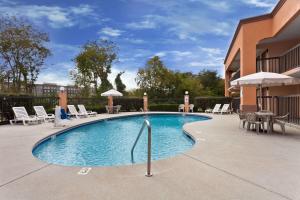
point(84, 171)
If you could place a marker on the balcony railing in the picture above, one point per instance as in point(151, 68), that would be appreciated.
point(281, 105)
point(268, 65)
point(289, 60)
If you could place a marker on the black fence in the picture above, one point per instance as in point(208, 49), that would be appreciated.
point(203, 103)
point(129, 103)
point(289, 60)
point(281, 105)
point(7, 102)
point(95, 103)
point(98, 104)
point(268, 65)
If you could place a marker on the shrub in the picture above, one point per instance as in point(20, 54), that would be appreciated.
point(129, 103)
point(204, 103)
point(164, 107)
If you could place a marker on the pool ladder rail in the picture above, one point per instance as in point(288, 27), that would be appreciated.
point(146, 123)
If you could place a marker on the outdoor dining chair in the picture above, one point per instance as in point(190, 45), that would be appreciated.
point(281, 121)
point(251, 120)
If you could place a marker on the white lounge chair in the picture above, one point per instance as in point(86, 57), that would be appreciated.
point(41, 113)
point(191, 107)
point(73, 112)
point(82, 110)
point(216, 109)
point(21, 115)
point(225, 109)
point(181, 108)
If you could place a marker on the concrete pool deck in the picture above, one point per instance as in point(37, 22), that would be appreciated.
point(227, 162)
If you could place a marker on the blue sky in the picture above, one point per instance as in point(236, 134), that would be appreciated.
point(189, 35)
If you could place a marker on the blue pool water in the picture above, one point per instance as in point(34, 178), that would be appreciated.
point(109, 142)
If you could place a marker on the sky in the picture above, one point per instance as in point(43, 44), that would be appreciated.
point(188, 35)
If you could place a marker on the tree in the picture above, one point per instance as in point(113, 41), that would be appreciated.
point(212, 83)
point(155, 78)
point(82, 81)
point(120, 86)
point(22, 52)
point(187, 82)
point(93, 64)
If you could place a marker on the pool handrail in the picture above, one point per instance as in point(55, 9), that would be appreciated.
point(146, 123)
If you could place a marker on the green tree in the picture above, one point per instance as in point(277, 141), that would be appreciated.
point(93, 64)
point(120, 86)
point(187, 82)
point(22, 52)
point(155, 78)
point(212, 83)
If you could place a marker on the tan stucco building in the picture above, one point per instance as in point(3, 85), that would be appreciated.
point(269, 43)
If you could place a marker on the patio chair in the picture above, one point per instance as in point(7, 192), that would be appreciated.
point(281, 121)
point(41, 113)
point(251, 120)
point(242, 117)
point(82, 110)
point(216, 109)
point(225, 109)
point(117, 109)
point(181, 108)
point(191, 107)
point(73, 112)
point(21, 115)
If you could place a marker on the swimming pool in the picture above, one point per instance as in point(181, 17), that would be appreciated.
point(109, 142)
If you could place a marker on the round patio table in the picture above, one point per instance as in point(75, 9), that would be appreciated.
point(265, 116)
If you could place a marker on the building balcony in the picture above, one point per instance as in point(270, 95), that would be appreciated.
point(288, 63)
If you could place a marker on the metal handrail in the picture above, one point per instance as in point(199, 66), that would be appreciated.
point(146, 123)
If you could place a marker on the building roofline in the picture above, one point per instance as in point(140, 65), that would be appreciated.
point(253, 19)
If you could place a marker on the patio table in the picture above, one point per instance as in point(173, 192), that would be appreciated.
point(265, 116)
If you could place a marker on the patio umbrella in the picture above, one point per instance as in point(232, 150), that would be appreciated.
point(265, 79)
point(110, 94)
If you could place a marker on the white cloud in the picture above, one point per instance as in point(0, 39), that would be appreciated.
point(193, 25)
point(110, 32)
point(135, 41)
point(54, 16)
point(145, 24)
point(211, 51)
point(222, 6)
point(160, 54)
point(54, 77)
point(261, 3)
point(174, 54)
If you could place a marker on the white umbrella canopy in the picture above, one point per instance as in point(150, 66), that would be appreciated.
point(111, 93)
point(265, 79)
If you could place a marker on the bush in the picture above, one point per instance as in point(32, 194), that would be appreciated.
point(98, 103)
point(129, 103)
point(164, 107)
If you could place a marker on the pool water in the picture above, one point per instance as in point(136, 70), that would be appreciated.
point(109, 142)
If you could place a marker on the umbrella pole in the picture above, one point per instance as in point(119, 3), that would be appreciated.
point(261, 99)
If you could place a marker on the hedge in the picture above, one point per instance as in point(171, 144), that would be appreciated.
point(98, 103)
point(163, 107)
point(129, 103)
point(203, 103)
